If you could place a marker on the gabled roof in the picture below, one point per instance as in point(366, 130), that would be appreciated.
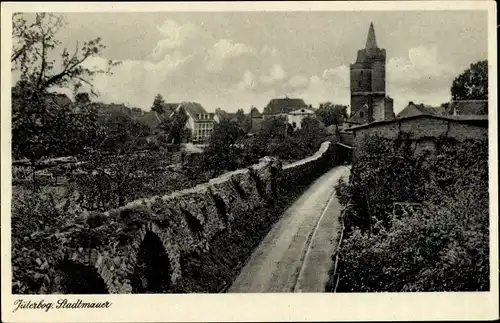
point(425, 109)
point(170, 107)
point(255, 113)
point(468, 107)
point(356, 118)
point(194, 109)
point(152, 118)
point(284, 105)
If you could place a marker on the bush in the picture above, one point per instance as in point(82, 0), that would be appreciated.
point(442, 247)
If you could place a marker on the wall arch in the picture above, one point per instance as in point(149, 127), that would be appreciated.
point(153, 269)
point(76, 278)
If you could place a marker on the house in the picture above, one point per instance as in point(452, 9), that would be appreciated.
point(282, 107)
point(200, 123)
point(295, 117)
point(413, 109)
point(424, 130)
point(468, 107)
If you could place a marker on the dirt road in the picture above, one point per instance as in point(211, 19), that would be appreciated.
point(295, 256)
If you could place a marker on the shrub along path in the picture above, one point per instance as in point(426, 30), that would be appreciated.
point(296, 254)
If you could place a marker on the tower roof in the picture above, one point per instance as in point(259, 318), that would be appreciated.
point(371, 41)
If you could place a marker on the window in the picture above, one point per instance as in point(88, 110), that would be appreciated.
point(361, 114)
point(294, 125)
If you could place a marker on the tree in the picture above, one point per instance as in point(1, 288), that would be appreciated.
point(174, 126)
point(441, 247)
point(34, 46)
point(330, 113)
point(472, 84)
point(43, 125)
point(117, 169)
point(243, 120)
point(158, 104)
point(223, 115)
point(82, 97)
point(221, 153)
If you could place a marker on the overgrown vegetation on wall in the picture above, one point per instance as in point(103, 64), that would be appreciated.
point(204, 234)
point(441, 246)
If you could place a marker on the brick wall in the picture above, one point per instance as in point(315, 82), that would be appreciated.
point(422, 128)
point(361, 80)
point(378, 108)
point(378, 76)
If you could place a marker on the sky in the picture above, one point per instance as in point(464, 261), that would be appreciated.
point(236, 60)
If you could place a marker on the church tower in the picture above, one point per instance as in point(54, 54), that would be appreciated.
point(368, 98)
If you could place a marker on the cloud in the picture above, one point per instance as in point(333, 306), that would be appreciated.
point(269, 51)
point(248, 82)
point(298, 81)
point(332, 86)
point(177, 36)
point(225, 50)
point(338, 76)
point(136, 82)
point(419, 77)
point(276, 74)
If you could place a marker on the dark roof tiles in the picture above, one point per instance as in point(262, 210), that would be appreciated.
point(284, 105)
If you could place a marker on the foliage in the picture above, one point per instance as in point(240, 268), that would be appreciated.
point(109, 181)
point(50, 212)
point(118, 132)
point(82, 97)
point(243, 121)
point(111, 174)
point(43, 125)
point(34, 45)
point(443, 247)
point(330, 113)
point(48, 129)
point(158, 104)
point(472, 84)
point(175, 127)
point(222, 114)
point(222, 153)
point(281, 141)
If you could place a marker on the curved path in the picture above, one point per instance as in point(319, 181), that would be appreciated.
point(295, 256)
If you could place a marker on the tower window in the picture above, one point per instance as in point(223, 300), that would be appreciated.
point(361, 114)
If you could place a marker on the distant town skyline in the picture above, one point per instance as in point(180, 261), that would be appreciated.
point(235, 60)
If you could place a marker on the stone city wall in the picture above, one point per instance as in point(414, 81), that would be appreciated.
point(184, 223)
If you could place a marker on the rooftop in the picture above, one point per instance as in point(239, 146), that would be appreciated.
point(284, 105)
